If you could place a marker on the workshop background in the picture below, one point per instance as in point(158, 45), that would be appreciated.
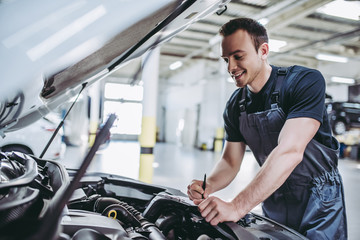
point(171, 100)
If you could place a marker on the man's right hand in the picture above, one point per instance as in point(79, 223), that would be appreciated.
point(195, 190)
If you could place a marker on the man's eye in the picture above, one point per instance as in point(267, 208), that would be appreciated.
point(238, 57)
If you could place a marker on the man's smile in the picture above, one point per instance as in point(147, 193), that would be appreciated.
point(238, 75)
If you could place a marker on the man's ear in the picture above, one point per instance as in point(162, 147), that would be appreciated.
point(264, 50)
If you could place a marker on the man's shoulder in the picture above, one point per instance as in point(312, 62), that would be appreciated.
point(301, 74)
point(297, 72)
point(296, 69)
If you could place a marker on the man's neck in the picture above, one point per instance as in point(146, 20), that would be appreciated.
point(261, 79)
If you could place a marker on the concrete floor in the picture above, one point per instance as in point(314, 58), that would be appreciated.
point(176, 166)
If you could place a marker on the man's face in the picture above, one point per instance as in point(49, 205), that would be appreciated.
point(244, 63)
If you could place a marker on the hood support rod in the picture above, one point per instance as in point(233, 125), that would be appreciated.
point(62, 122)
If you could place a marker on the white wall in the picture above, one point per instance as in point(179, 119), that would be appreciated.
point(349, 70)
point(181, 104)
point(180, 98)
point(198, 93)
point(338, 92)
point(212, 107)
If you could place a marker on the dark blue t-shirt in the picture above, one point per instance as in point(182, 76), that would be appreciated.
point(302, 94)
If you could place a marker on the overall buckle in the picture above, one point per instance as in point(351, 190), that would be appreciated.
point(242, 105)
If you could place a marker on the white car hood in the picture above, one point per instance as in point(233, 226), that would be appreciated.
point(48, 49)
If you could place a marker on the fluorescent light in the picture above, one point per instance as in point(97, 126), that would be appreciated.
point(332, 58)
point(275, 45)
point(175, 65)
point(341, 8)
point(343, 80)
point(264, 21)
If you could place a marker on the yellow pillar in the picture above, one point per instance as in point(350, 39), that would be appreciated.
point(93, 126)
point(94, 115)
point(219, 139)
point(147, 141)
point(147, 137)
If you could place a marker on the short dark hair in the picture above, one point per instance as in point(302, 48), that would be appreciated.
point(256, 31)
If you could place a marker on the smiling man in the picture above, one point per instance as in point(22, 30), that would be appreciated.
point(280, 114)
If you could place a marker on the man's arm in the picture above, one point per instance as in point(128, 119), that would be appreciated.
point(222, 174)
point(228, 167)
point(293, 139)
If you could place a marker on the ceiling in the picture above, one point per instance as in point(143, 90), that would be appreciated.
point(306, 32)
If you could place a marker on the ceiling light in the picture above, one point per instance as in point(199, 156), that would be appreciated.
point(263, 21)
point(341, 8)
point(175, 65)
point(332, 58)
point(343, 80)
point(275, 45)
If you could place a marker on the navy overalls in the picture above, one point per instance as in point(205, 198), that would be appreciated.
point(311, 200)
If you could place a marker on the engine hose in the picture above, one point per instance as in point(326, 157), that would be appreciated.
point(117, 211)
point(169, 223)
point(103, 202)
point(128, 214)
point(155, 233)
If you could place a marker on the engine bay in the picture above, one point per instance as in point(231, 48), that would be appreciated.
point(40, 199)
point(106, 206)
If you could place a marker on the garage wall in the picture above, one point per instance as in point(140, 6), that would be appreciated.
point(180, 104)
point(338, 92)
point(192, 106)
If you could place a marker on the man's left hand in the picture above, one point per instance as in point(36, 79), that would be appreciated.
point(215, 210)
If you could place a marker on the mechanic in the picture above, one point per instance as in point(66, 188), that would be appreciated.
point(280, 114)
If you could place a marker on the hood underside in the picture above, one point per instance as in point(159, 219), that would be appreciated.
point(48, 52)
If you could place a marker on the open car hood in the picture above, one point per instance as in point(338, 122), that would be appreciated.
point(50, 48)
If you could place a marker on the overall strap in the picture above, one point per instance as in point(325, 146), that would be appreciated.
point(281, 74)
point(242, 102)
point(275, 100)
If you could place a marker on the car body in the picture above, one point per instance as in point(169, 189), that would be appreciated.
point(50, 51)
point(343, 116)
point(32, 139)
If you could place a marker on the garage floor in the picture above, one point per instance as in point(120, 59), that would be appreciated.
point(175, 166)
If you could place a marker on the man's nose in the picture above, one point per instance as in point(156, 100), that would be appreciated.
point(231, 66)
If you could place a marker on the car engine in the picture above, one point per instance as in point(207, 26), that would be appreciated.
point(105, 206)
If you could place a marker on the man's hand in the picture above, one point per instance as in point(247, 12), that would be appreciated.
point(195, 190)
point(215, 210)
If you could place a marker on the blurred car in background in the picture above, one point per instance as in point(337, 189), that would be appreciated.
point(343, 116)
point(33, 139)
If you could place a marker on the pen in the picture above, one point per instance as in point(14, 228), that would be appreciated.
point(204, 185)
